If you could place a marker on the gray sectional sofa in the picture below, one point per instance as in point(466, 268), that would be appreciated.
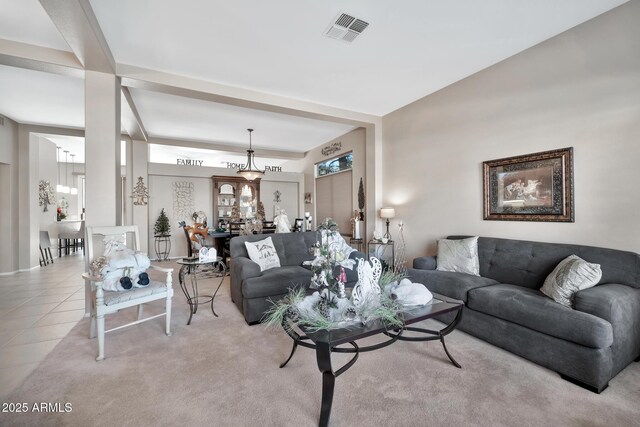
point(588, 344)
point(252, 290)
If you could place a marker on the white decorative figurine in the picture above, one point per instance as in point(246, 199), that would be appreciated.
point(368, 277)
point(281, 221)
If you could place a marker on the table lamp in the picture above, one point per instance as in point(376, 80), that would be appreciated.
point(387, 213)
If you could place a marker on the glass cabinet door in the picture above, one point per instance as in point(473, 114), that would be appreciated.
point(247, 202)
point(226, 200)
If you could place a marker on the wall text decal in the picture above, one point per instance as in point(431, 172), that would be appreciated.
point(231, 165)
point(331, 148)
point(189, 162)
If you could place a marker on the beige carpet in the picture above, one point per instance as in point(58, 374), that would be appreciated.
point(221, 372)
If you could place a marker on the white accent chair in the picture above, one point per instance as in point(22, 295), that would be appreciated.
point(107, 302)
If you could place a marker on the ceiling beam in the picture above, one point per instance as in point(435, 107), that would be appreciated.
point(172, 84)
point(226, 148)
point(131, 118)
point(23, 55)
point(79, 27)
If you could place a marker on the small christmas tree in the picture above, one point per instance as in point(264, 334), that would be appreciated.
point(162, 227)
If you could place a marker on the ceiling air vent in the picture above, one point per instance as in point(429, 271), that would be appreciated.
point(346, 28)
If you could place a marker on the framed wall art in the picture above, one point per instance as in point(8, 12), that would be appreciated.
point(532, 187)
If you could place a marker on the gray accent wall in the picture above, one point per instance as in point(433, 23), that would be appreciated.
point(579, 89)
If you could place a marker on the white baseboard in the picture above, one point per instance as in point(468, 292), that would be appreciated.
point(9, 273)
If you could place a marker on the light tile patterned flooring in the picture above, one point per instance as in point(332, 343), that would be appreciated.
point(37, 309)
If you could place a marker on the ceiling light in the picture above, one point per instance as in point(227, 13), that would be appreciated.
point(250, 171)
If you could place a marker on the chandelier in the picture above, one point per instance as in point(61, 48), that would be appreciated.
point(250, 171)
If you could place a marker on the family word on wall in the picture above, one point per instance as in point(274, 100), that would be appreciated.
point(189, 162)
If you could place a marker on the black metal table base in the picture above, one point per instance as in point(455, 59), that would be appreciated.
point(324, 350)
point(193, 299)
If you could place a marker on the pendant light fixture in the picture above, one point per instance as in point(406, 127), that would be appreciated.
point(65, 188)
point(74, 189)
point(59, 187)
point(250, 171)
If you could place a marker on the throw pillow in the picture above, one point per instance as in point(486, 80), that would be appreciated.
point(263, 253)
point(459, 255)
point(571, 275)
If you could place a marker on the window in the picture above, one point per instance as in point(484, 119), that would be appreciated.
point(336, 165)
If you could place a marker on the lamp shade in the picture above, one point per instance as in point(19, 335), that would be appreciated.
point(387, 213)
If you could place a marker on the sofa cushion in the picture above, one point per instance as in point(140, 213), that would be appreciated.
point(573, 274)
point(533, 310)
point(276, 281)
point(526, 263)
point(263, 253)
point(459, 255)
point(447, 283)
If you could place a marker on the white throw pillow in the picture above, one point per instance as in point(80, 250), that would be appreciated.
point(459, 255)
point(571, 275)
point(263, 253)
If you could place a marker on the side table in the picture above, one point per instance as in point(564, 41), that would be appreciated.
point(385, 252)
point(162, 246)
point(190, 268)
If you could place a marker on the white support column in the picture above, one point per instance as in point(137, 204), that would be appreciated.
point(28, 219)
point(374, 177)
point(139, 167)
point(102, 149)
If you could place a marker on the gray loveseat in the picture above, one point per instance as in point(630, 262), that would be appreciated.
point(252, 290)
point(587, 345)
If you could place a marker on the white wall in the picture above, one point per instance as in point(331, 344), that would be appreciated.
point(161, 196)
point(579, 89)
point(161, 177)
point(48, 171)
point(289, 198)
point(8, 195)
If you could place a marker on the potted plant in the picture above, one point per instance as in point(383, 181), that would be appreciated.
point(162, 227)
point(161, 231)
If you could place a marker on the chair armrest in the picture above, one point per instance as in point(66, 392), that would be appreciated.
point(243, 268)
point(620, 306)
point(162, 269)
point(425, 263)
point(88, 276)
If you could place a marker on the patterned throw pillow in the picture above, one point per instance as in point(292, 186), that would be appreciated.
point(459, 255)
point(571, 275)
point(263, 253)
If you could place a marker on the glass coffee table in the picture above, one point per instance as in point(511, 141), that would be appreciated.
point(190, 268)
point(327, 342)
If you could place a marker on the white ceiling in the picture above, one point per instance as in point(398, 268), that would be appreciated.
point(26, 21)
point(36, 97)
point(176, 117)
point(411, 48)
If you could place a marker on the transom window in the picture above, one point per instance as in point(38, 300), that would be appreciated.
point(338, 164)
